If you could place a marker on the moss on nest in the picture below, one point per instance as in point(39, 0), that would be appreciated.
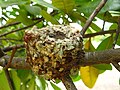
point(54, 50)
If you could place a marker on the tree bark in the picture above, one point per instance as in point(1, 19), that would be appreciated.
point(67, 81)
point(101, 57)
point(91, 58)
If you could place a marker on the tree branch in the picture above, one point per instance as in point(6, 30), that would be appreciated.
point(1, 53)
point(11, 39)
point(12, 47)
point(115, 64)
point(5, 26)
point(15, 23)
point(17, 63)
point(90, 19)
point(38, 20)
point(21, 28)
point(9, 49)
point(11, 57)
point(117, 34)
point(9, 79)
point(99, 33)
point(67, 81)
point(101, 57)
point(91, 58)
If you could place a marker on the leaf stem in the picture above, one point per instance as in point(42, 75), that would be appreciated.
point(90, 19)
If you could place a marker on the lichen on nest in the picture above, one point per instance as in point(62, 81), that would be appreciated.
point(53, 51)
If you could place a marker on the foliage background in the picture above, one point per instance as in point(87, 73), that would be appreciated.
point(18, 15)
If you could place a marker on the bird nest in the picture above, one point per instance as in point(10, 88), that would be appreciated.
point(54, 50)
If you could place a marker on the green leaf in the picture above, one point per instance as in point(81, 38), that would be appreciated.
point(57, 81)
point(24, 75)
point(81, 2)
point(113, 26)
point(4, 85)
point(76, 78)
point(54, 86)
point(45, 4)
point(22, 17)
point(83, 20)
point(15, 79)
point(88, 46)
point(107, 16)
point(48, 17)
point(42, 82)
point(89, 75)
point(5, 43)
point(65, 5)
point(101, 71)
point(35, 10)
point(5, 3)
point(118, 40)
point(106, 43)
point(11, 20)
point(13, 35)
point(89, 6)
point(111, 5)
point(31, 84)
point(103, 66)
point(115, 13)
point(74, 74)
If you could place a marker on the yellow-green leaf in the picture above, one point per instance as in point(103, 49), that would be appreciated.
point(65, 5)
point(89, 75)
point(44, 3)
point(106, 43)
point(4, 85)
point(83, 19)
point(22, 17)
point(88, 46)
point(48, 17)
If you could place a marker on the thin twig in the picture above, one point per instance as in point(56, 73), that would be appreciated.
point(11, 58)
point(17, 63)
point(10, 39)
point(104, 21)
point(21, 28)
point(95, 12)
point(15, 23)
point(38, 20)
point(6, 69)
point(4, 26)
point(117, 34)
point(1, 53)
point(99, 33)
point(67, 81)
point(116, 65)
point(11, 47)
point(103, 25)
point(9, 79)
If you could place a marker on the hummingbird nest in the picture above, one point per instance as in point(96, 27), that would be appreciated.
point(54, 50)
